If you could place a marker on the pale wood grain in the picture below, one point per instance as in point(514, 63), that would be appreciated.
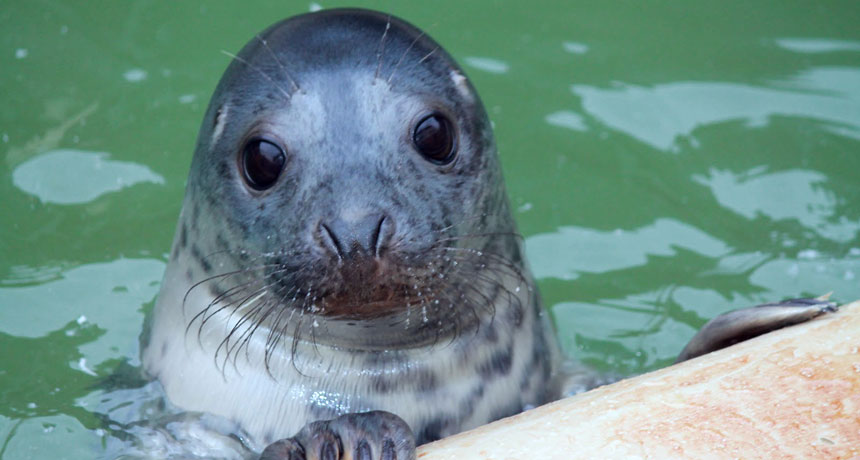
point(790, 394)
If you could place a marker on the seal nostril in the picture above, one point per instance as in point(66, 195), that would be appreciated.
point(374, 240)
point(330, 239)
point(357, 238)
point(382, 236)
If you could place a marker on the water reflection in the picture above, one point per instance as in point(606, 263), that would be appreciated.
point(810, 277)
point(575, 47)
point(134, 75)
point(645, 330)
point(817, 45)
point(567, 119)
point(69, 176)
point(486, 64)
point(569, 251)
point(659, 115)
point(106, 294)
point(635, 329)
point(793, 194)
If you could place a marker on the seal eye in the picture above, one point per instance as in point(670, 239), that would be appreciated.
point(262, 163)
point(434, 138)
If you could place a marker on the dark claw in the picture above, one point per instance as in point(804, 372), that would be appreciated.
point(746, 323)
point(367, 436)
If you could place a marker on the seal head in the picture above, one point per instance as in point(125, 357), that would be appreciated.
point(344, 159)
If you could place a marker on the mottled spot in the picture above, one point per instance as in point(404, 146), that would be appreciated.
point(195, 214)
point(434, 429)
point(183, 236)
point(498, 364)
point(427, 381)
point(221, 241)
point(198, 256)
point(491, 334)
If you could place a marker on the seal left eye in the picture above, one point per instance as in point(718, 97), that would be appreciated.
point(262, 163)
point(433, 137)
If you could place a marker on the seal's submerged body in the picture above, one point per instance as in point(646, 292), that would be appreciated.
point(345, 243)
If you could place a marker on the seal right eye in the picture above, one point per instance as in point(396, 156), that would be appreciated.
point(262, 163)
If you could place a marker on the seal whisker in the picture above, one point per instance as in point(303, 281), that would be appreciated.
point(260, 71)
point(514, 235)
point(464, 220)
point(272, 303)
point(381, 49)
point(242, 340)
point(515, 270)
point(216, 300)
point(280, 64)
point(427, 56)
point(497, 284)
point(277, 331)
point(225, 342)
point(399, 61)
point(205, 315)
point(224, 275)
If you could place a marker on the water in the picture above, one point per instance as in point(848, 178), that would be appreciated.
point(667, 161)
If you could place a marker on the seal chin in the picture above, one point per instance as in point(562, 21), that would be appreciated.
point(377, 302)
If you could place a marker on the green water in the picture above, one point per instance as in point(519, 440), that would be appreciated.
point(666, 160)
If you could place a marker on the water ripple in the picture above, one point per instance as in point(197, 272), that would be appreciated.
point(69, 176)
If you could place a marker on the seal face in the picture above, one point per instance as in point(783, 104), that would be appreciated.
point(346, 244)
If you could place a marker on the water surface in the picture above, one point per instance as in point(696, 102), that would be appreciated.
point(667, 161)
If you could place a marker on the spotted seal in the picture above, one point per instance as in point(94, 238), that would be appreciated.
point(346, 244)
point(346, 251)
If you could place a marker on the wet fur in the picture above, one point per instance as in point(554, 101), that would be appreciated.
point(254, 323)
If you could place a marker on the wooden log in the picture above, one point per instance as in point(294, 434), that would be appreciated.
point(790, 394)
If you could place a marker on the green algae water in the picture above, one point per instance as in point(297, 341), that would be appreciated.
point(666, 161)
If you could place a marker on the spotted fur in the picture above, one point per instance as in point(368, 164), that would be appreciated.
point(258, 322)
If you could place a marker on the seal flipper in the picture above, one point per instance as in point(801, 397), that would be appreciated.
point(368, 435)
point(739, 325)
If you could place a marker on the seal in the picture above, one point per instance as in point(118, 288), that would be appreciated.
point(345, 252)
point(345, 243)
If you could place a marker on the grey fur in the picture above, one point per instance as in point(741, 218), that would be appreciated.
point(244, 327)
